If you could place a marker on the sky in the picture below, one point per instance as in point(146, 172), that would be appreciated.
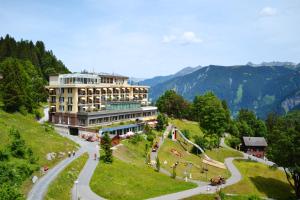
point(157, 37)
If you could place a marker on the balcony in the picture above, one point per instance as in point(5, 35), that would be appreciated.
point(52, 92)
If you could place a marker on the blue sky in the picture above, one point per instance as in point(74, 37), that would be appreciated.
point(146, 38)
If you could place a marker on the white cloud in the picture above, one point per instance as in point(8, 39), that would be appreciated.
point(187, 37)
point(268, 12)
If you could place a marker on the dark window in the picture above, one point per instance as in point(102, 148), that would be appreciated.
point(69, 108)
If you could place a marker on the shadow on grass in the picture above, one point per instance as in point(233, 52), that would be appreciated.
point(273, 188)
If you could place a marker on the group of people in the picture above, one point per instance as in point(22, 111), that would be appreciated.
point(71, 153)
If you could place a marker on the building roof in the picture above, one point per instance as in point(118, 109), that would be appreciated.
point(118, 127)
point(255, 141)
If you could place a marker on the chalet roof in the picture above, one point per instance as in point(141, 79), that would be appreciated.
point(255, 141)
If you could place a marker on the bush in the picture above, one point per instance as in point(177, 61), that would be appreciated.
point(23, 110)
point(157, 164)
point(8, 192)
point(135, 139)
point(38, 114)
point(233, 141)
point(17, 146)
point(206, 142)
point(150, 138)
point(4, 155)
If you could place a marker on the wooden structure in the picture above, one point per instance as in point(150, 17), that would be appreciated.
point(255, 146)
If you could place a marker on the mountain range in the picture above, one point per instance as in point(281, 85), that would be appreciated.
point(263, 88)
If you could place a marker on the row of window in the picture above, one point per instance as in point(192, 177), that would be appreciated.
point(120, 117)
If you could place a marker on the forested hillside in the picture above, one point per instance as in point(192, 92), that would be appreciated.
point(262, 89)
point(25, 68)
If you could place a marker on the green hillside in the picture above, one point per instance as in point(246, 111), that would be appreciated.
point(39, 138)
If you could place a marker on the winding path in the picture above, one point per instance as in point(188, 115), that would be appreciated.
point(41, 186)
point(82, 190)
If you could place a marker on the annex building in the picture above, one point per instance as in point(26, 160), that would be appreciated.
point(89, 99)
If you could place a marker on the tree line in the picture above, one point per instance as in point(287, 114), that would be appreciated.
point(25, 68)
point(213, 116)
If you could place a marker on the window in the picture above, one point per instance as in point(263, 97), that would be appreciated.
point(69, 108)
point(61, 99)
point(62, 90)
point(61, 108)
point(70, 100)
point(69, 90)
point(53, 99)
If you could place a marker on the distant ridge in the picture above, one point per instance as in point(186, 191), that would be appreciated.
point(265, 88)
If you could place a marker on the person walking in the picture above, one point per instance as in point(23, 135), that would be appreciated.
point(73, 152)
point(95, 156)
point(69, 154)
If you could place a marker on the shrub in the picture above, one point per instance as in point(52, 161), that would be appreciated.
point(23, 110)
point(8, 191)
point(4, 155)
point(38, 114)
point(135, 139)
point(233, 141)
point(157, 164)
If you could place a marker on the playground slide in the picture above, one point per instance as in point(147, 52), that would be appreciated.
point(206, 159)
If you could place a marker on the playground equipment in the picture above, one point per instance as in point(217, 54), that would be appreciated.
point(207, 160)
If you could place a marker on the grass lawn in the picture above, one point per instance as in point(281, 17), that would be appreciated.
point(259, 179)
point(221, 153)
point(132, 153)
point(40, 141)
point(122, 180)
point(61, 187)
point(193, 127)
point(128, 177)
point(165, 154)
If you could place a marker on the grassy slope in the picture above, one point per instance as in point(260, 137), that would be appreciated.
point(165, 154)
point(259, 179)
point(61, 187)
point(221, 153)
point(130, 178)
point(193, 127)
point(121, 180)
point(36, 137)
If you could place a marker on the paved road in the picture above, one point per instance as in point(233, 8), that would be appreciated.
point(41, 186)
point(153, 155)
point(83, 191)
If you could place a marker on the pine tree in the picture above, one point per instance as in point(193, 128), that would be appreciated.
point(106, 145)
point(12, 85)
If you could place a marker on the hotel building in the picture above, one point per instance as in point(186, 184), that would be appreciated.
point(85, 100)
